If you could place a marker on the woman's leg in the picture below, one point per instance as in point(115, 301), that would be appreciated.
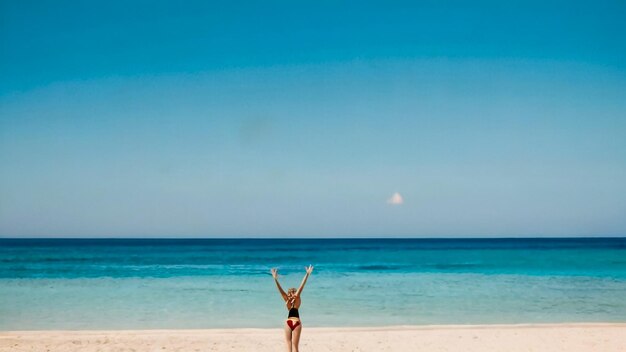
point(295, 339)
point(288, 337)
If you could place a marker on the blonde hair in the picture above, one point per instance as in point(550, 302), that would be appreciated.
point(291, 291)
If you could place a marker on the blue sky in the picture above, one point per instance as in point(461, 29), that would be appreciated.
point(157, 119)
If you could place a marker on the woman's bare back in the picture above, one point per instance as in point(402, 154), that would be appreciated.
point(293, 302)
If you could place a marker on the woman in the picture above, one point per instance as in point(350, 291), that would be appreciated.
point(293, 325)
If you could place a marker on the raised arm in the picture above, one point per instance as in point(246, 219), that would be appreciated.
point(280, 289)
point(309, 270)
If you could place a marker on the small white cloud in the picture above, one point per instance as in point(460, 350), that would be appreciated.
point(396, 199)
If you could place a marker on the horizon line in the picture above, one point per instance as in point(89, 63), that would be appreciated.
point(315, 238)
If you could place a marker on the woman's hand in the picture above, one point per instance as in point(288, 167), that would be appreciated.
point(309, 269)
point(274, 273)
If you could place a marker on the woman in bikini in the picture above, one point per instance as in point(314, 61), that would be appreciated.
point(293, 325)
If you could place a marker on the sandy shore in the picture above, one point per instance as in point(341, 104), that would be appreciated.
point(560, 337)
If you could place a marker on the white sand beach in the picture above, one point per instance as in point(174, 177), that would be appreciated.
point(511, 338)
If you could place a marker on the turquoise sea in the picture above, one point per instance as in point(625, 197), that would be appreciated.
point(207, 283)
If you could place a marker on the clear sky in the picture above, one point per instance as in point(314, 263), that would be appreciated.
point(318, 119)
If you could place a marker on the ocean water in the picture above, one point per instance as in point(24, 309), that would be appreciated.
point(207, 283)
